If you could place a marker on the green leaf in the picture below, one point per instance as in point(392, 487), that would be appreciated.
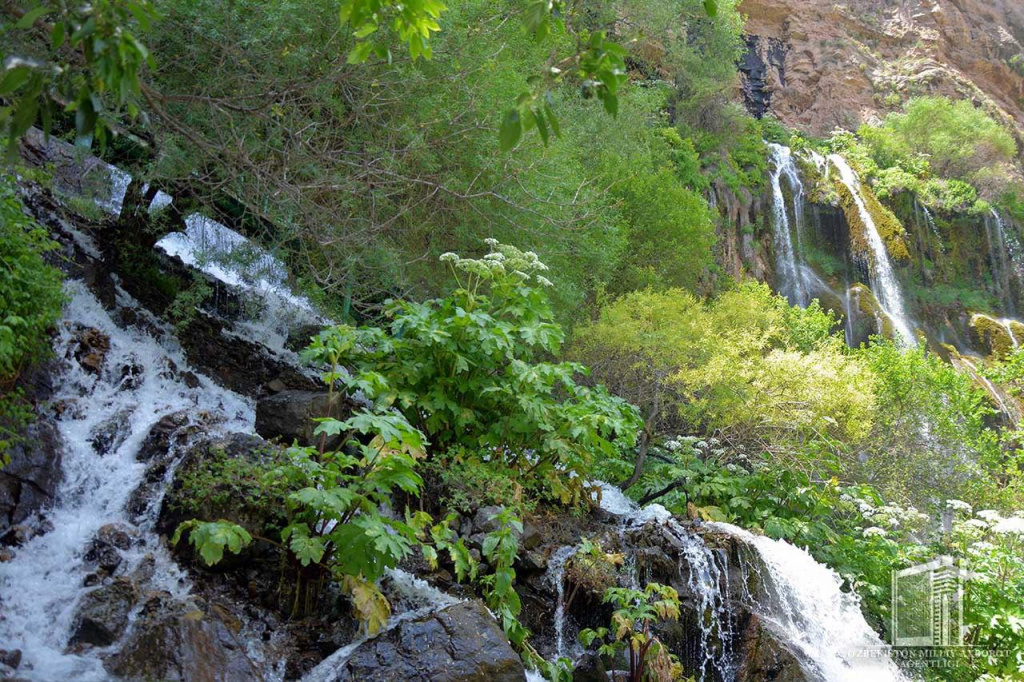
point(14, 79)
point(30, 17)
point(511, 130)
point(57, 35)
point(360, 53)
point(711, 7)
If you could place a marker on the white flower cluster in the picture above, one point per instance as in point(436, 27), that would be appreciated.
point(874, 531)
point(959, 505)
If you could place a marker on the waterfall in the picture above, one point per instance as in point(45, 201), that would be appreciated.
point(787, 257)
point(232, 259)
point(1005, 256)
point(41, 587)
point(884, 283)
point(802, 600)
point(556, 575)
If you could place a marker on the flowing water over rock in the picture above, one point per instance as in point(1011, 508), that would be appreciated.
point(884, 282)
point(789, 261)
point(802, 599)
point(139, 381)
point(1005, 256)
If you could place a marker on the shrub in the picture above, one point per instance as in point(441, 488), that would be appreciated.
point(467, 371)
point(30, 303)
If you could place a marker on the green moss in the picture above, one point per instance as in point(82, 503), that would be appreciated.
point(992, 336)
point(886, 223)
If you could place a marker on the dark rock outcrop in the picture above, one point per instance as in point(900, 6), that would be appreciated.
point(30, 480)
point(288, 415)
point(462, 643)
point(102, 616)
point(176, 642)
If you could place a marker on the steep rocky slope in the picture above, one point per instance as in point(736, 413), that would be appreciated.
point(819, 64)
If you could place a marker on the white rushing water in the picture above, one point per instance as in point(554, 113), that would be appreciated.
point(1006, 257)
point(787, 255)
point(802, 601)
point(884, 282)
point(229, 257)
point(43, 584)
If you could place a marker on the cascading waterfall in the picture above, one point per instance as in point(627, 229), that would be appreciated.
point(556, 575)
point(42, 585)
point(802, 600)
point(1005, 255)
point(788, 256)
point(884, 282)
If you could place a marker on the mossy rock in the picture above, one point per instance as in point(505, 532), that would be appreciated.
point(993, 336)
point(867, 315)
point(888, 225)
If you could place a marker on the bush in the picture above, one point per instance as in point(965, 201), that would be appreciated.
point(745, 364)
point(955, 138)
point(30, 303)
point(467, 370)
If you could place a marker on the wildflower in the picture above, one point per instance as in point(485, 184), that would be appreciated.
point(978, 523)
point(959, 505)
point(874, 531)
point(491, 242)
point(990, 515)
point(1014, 525)
point(449, 256)
point(543, 281)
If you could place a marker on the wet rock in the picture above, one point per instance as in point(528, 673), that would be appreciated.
point(158, 450)
point(108, 435)
point(289, 415)
point(174, 641)
point(91, 349)
point(159, 439)
point(29, 482)
point(102, 616)
point(462, 643)
point(131, 375)
point(590, 668)
point(10, 657)
point(763, 657)
point(105, 549)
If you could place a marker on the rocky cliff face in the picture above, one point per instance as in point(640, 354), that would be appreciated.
point(819, 64)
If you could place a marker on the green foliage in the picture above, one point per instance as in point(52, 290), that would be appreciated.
point(930, 434)
point(952, 138)
point(746, 364)
point(30, 303)
point(500, 549)
point(332, 522)
point(466, 371)
point(212, 538)
point(95, 85)
point(669, 232)
point(636, 611)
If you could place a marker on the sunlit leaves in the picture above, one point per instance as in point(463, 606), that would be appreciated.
point(371, 607)
point(99, 83)
point(212, 537)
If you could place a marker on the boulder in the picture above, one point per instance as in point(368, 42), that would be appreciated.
point(175, 641)
point(29, 482)
point(108, 435)
point(461, 643)
point(105, 549)
point(289, 415)
point(91, 348)
point(486, 522)
point(763, 657)
point(102, 615)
